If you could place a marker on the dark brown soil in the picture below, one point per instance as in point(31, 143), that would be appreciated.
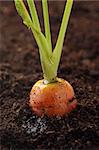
point(20, 68)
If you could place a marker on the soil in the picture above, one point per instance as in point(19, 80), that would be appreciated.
point(20, 129)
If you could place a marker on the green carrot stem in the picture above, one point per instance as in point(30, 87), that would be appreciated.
point(33, 13)
point(49, 60)
point(58, 48)
point(46, 23)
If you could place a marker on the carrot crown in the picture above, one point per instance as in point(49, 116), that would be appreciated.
point(49, 58)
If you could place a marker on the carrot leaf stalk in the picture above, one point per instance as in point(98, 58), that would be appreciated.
point(49, 58)
point(46, 22)
point(58, 48)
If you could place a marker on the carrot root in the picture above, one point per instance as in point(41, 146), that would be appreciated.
point(54, 99)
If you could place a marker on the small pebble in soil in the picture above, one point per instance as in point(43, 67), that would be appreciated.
point(32, 127)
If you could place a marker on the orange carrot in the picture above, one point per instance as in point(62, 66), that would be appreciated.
point(53, 99)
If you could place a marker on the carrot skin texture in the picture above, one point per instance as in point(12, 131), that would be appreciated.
point(54, 99)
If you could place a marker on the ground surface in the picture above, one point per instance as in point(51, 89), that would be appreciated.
point(20, 69)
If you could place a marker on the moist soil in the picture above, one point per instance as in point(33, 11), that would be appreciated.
point(20, 128)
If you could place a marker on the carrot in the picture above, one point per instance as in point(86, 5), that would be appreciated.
point(51, 96)
point(54, 99)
